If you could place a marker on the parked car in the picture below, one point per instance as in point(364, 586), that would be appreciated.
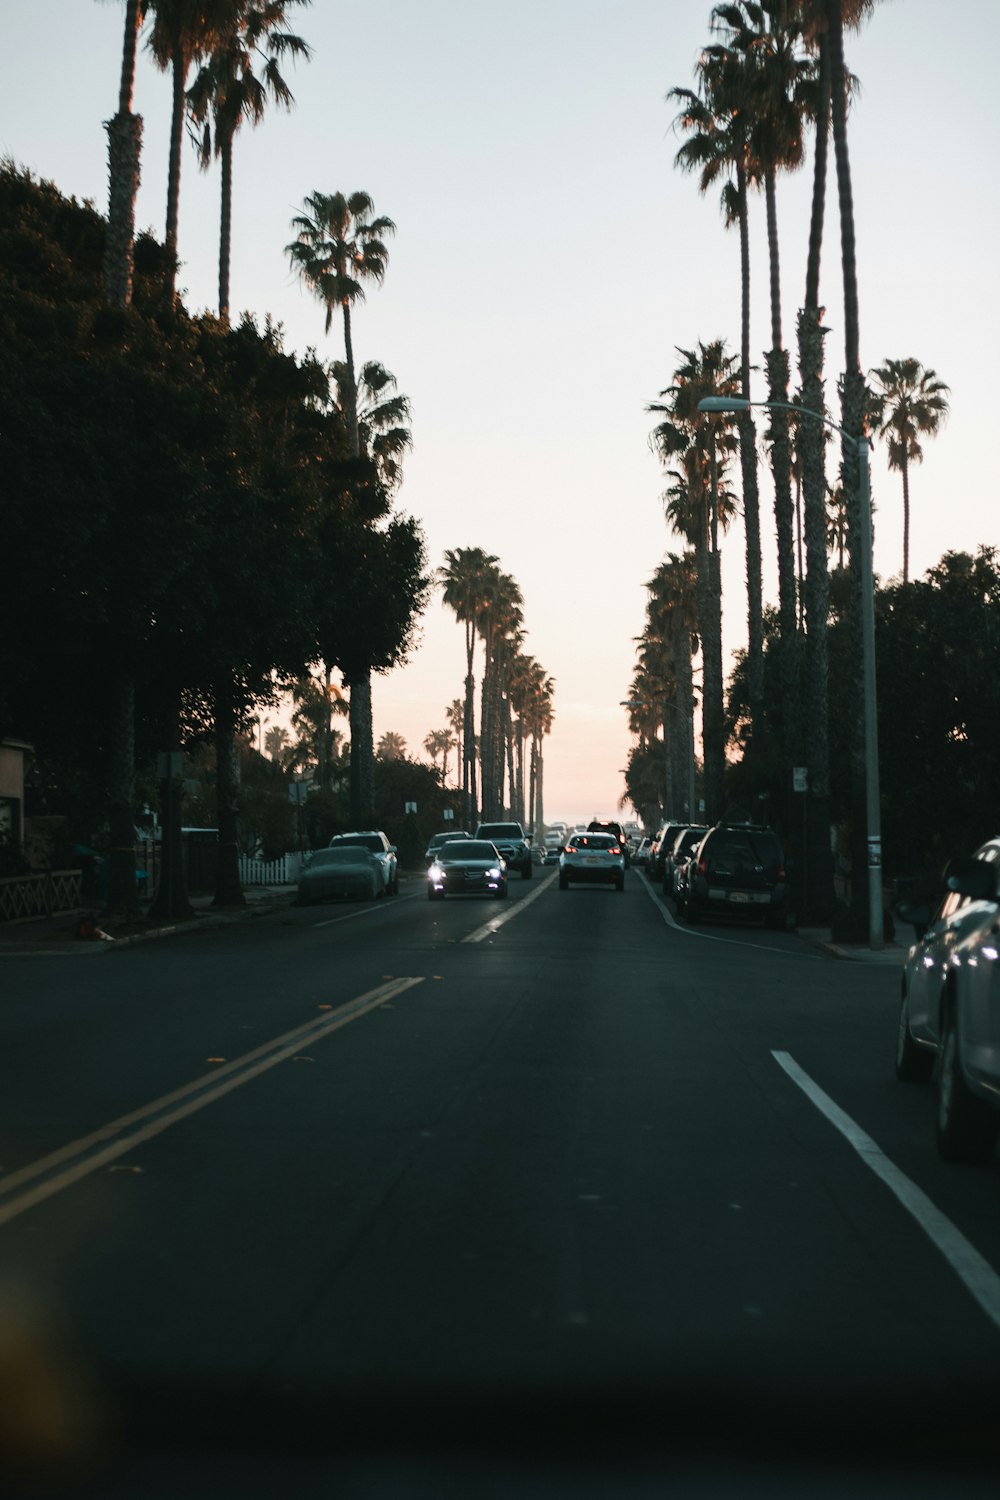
point(665, 835)
point(641, 855)
point(939, 930)
point(438, 839)
point(552, 853)
point(738, 870)
point(344, 873)
point(467, 867)
point(512, 843)
point(590, 857)
point(375, 841)
point(683, 846)
point(964, 1033)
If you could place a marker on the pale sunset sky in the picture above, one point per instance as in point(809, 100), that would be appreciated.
point(549, 259)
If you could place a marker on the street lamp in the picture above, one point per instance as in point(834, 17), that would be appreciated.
point(872, 809)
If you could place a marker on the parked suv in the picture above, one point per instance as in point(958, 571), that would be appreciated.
point(384, 852)
point(512, 844)
point(738, 869)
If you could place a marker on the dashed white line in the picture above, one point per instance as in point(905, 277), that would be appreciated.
point(495, 923)
point(975, 1272)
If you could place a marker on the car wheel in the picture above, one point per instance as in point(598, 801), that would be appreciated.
point(966, 1127)
point(913, 1064)
point(564, 882)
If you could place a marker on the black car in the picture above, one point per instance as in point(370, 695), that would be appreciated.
point(738, 870)
point(466, 867)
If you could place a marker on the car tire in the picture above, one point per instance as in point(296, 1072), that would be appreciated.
point(564, 882)
point(966, 1127)
point(913, 1064)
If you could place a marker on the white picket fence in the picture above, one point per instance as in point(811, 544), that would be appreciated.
point(284, 871)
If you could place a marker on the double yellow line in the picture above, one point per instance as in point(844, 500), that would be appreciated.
point(49, 1175)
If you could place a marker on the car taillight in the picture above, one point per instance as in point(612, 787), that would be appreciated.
point(615, 849)
point(703, 866)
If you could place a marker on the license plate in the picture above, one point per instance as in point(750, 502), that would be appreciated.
point(591, 859)
point(740, 896)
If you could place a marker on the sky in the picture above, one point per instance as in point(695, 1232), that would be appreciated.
point(549, 261)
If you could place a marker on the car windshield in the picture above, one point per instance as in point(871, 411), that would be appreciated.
point(342, 855)
point(361, 841)
point(500, 831)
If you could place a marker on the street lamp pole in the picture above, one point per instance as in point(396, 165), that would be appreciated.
point(873, 815)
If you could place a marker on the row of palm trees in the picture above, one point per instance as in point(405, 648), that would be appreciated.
point(770, 73)
point(502, 764)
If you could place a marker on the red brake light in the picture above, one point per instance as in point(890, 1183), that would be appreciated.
point(616, 849)
point(703, 866)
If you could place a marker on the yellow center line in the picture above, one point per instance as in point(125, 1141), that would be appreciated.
point(89, 1153)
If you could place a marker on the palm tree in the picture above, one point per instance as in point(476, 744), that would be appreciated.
point(455, 714)
point(228, 89)
point(439, 742)
point(665, 675)
point(464, 577)
point(697, 504)
point(499, 623)
point(277, 743)
point(124, 146)
point(381, 412)
point(538, 719)
point(391, 746)
point(776, 89)
point(716, 121)
point(339, 245)
point(910, 402)
point(184, 32)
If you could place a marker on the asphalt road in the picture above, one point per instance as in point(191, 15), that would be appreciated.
point(552, 1183)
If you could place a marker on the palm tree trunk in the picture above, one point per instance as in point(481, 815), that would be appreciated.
point(124, 147)
point(352, 386)
point(178, 73)
point(225, 225)
point(171, 901)
point(853, 423)
point(362, 750)
point(228, 887)
point(906, 515)
point(751, 494)
point(710, 611)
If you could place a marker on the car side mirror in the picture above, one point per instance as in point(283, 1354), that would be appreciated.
point(917, 914)
point(971, 877)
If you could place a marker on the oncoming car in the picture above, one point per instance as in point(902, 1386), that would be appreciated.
point(590, 858)
point(467, 867)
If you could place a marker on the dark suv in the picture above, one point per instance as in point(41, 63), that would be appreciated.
point(616, 831)
point(511, 844)
point(738, 870)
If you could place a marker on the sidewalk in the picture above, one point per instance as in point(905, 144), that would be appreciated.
point(58, 935)
point(893, 953)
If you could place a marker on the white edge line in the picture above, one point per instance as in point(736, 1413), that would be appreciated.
point(495, 923)
point(708, 937)
point(972, 1269)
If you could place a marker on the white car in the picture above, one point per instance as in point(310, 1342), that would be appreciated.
point(968, 1119)
point(590, 858)
point(384, 852)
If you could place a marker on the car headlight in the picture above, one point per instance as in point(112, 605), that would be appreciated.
point(495, 873)
point(435, 872)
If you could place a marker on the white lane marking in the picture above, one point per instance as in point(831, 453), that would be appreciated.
point(80, 1158)
point(495, 923)
point(708, 937)
point(972, 1269)
point(366, 911)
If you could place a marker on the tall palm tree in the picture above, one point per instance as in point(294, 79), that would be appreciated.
point(464, 578)
point(382, 412)
point(184, 32)
point(227, 91)
point(499, 623)
point(455, 714)
point(716, 122)
point(665, 652)
point(538, 717)
point(910, 402)
point(697, 504)
point(124, 147)
point(339, 245)
point(439, 742)
point(776, 82)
